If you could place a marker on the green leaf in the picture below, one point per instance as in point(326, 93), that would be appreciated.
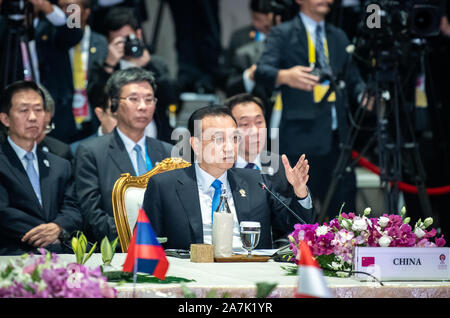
point(114, 245)
point(211, 294)
point(187, 293)
point(90, 253)
point(264, 289)
point(342, 207)
point(290, 270)
point(106, 251)
point(82, 241)
point(35, 276)
point(76, 250)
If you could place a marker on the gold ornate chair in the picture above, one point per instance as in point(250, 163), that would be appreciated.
point(128, 195)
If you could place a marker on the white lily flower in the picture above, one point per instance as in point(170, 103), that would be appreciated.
point(383, 221)
point(359, 224)
point(384, 241)
point(322, 230)
point(419, 232)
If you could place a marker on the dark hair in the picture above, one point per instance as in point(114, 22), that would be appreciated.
point(118, 17)
point(261, 6)
point(212, 110)
point(244, 98)
point(121, 78)
point(10, 90)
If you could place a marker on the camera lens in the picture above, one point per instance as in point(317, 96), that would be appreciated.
point(133, 47)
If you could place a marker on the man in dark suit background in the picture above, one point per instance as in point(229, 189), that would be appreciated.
point(179, 202)
point(49, 49)
point(244, 49)
point(121, 23)
point(309, 125)
point(90, 50)
point(49, 143)
point(249, 111)
point(100, 161)
point(37, 201)
point(106, 119)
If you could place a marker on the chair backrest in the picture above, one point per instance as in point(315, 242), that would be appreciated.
point(128, 196)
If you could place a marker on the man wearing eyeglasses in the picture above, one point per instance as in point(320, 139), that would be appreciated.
point(100, 161)
point(180, 203)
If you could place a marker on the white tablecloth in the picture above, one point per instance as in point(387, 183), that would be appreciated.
point(239, 280)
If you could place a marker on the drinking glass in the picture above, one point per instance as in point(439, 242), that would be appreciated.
point(250, 232)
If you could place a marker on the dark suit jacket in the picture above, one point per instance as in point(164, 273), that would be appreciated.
point(172, 204)
point(302, 119)
point(19, 206)
point(57, 147)
point(99, 162)
point(52, 45)
point(237, 63)
point(166, 92)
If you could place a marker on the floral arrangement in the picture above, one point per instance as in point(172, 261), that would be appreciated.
point(332, 244)
point(45, 276)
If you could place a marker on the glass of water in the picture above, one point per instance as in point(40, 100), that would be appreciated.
point(250, 232)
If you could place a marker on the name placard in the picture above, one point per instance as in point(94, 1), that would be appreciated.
point(402, 263)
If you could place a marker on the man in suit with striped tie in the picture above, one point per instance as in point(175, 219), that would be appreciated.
point(313, 122)
point(38, 207)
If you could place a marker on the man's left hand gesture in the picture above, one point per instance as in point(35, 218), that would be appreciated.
point(298, 175)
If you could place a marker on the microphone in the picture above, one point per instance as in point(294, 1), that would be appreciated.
point(279, 200)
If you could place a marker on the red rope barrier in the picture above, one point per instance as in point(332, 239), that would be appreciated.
point(401, 185)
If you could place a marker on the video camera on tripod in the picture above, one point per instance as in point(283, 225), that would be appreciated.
point(383, 42)
point(19, 31)
point(16, 10)
point(390, 25)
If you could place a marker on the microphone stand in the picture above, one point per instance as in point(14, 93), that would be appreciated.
point(264, 187)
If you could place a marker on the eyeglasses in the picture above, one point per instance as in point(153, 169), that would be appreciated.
point(134, 100)
point(219, 140)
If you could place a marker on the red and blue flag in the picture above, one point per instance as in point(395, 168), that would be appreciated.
point(145, 254)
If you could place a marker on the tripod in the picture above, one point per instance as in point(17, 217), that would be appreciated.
point(17, 46)
point(391, 137)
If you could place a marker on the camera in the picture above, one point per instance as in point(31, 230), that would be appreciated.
point(324, 74)
point(16, 10)
point(133, 46)
point(399, 22)
point(286, 9)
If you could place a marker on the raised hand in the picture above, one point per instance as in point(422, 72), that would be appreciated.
point(298, 175)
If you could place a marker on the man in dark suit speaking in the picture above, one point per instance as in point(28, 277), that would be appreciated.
point(179, 202)
point(312, 122)
point(100, 161)
point(38, 207)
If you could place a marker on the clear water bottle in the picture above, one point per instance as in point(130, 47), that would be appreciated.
point(222, 234)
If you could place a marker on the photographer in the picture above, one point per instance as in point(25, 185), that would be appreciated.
point(48, 40)
point(296, 53)
point(126, 49)
point(244, 50)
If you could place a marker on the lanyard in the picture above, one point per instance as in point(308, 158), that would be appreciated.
point(80, 56)
point(312, 50)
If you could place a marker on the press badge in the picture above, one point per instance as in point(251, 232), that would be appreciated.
point(320, 90)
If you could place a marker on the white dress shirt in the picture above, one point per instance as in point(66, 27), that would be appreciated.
point(206, 193)
point(129, 146)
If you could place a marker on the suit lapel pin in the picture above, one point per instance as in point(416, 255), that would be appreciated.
point(46, 163)
point(93, 50)
point(242, 192)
